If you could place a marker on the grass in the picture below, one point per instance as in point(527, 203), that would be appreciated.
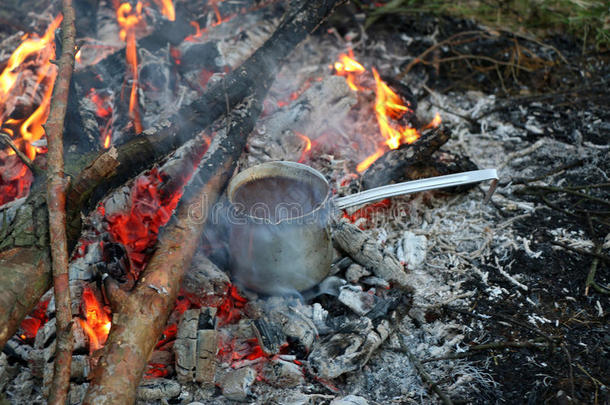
point(589, 20)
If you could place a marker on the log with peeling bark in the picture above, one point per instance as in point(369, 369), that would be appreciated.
point(365, 251)
point(56, 204)
point(24, 250)
point(141, 314)
point(395, 163)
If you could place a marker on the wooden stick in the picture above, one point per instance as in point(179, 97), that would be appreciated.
point(6, 138)
point(56, 203)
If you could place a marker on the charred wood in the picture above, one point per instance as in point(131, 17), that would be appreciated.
point(365, 251)
point(395, 163)
point(136, 327)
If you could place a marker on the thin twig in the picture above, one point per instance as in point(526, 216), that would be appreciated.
point(569, 357)
point(591, 276)
point(557, 170)
point(553, 189)
point(424, 375)
point(582, 251)
point(472, 350)
point(421, 56)
point(56, 202)
point(6, 138)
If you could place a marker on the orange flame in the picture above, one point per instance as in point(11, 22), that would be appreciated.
point(307, 146)
point(107, 141)
point(389, 108)
point(41, 50)
point(104, 113)
point(197, 33)
point(216, 11)
point(347, 66)
point(436, 121)
point(167, 8)
point(97, 326)
point(129, 19)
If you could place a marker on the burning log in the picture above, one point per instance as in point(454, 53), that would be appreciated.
point(392, 165)
point(140, 315)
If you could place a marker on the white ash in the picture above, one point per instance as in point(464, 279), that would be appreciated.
point(355, 272)
point(236, 383)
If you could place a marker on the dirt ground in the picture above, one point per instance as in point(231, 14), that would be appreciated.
point(567, 96)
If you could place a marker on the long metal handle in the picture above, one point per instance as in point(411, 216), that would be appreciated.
point(415, 186)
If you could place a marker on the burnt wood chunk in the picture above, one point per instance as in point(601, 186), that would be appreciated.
point(185, 346)
point(196, 346)
point(395, 163)
point(269, 336)
point(364, 250)
point(207, 347)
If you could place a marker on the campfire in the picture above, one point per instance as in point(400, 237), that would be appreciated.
point(207, 201)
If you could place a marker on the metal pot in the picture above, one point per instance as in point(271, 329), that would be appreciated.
point(280, 240)
point(279, 252)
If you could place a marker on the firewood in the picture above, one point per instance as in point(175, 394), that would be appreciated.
point(56, 204)
point(364, 250)
point(395, 163)
point(141, 314)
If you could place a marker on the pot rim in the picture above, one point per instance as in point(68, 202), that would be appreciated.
point(278, 169)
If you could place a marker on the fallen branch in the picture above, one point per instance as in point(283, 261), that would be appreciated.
point(56, 204)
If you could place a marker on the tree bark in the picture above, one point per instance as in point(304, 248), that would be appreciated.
point(56, 204)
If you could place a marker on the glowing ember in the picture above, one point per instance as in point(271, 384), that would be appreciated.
point(32, 57)
point(138, 228)
point(97, 324)
point(129, 18)
point(365, 215)
point(307, 146)
point(104, 114)
point(230, 308)
point(389, 110)
point(347, 66)
point(34, 321)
